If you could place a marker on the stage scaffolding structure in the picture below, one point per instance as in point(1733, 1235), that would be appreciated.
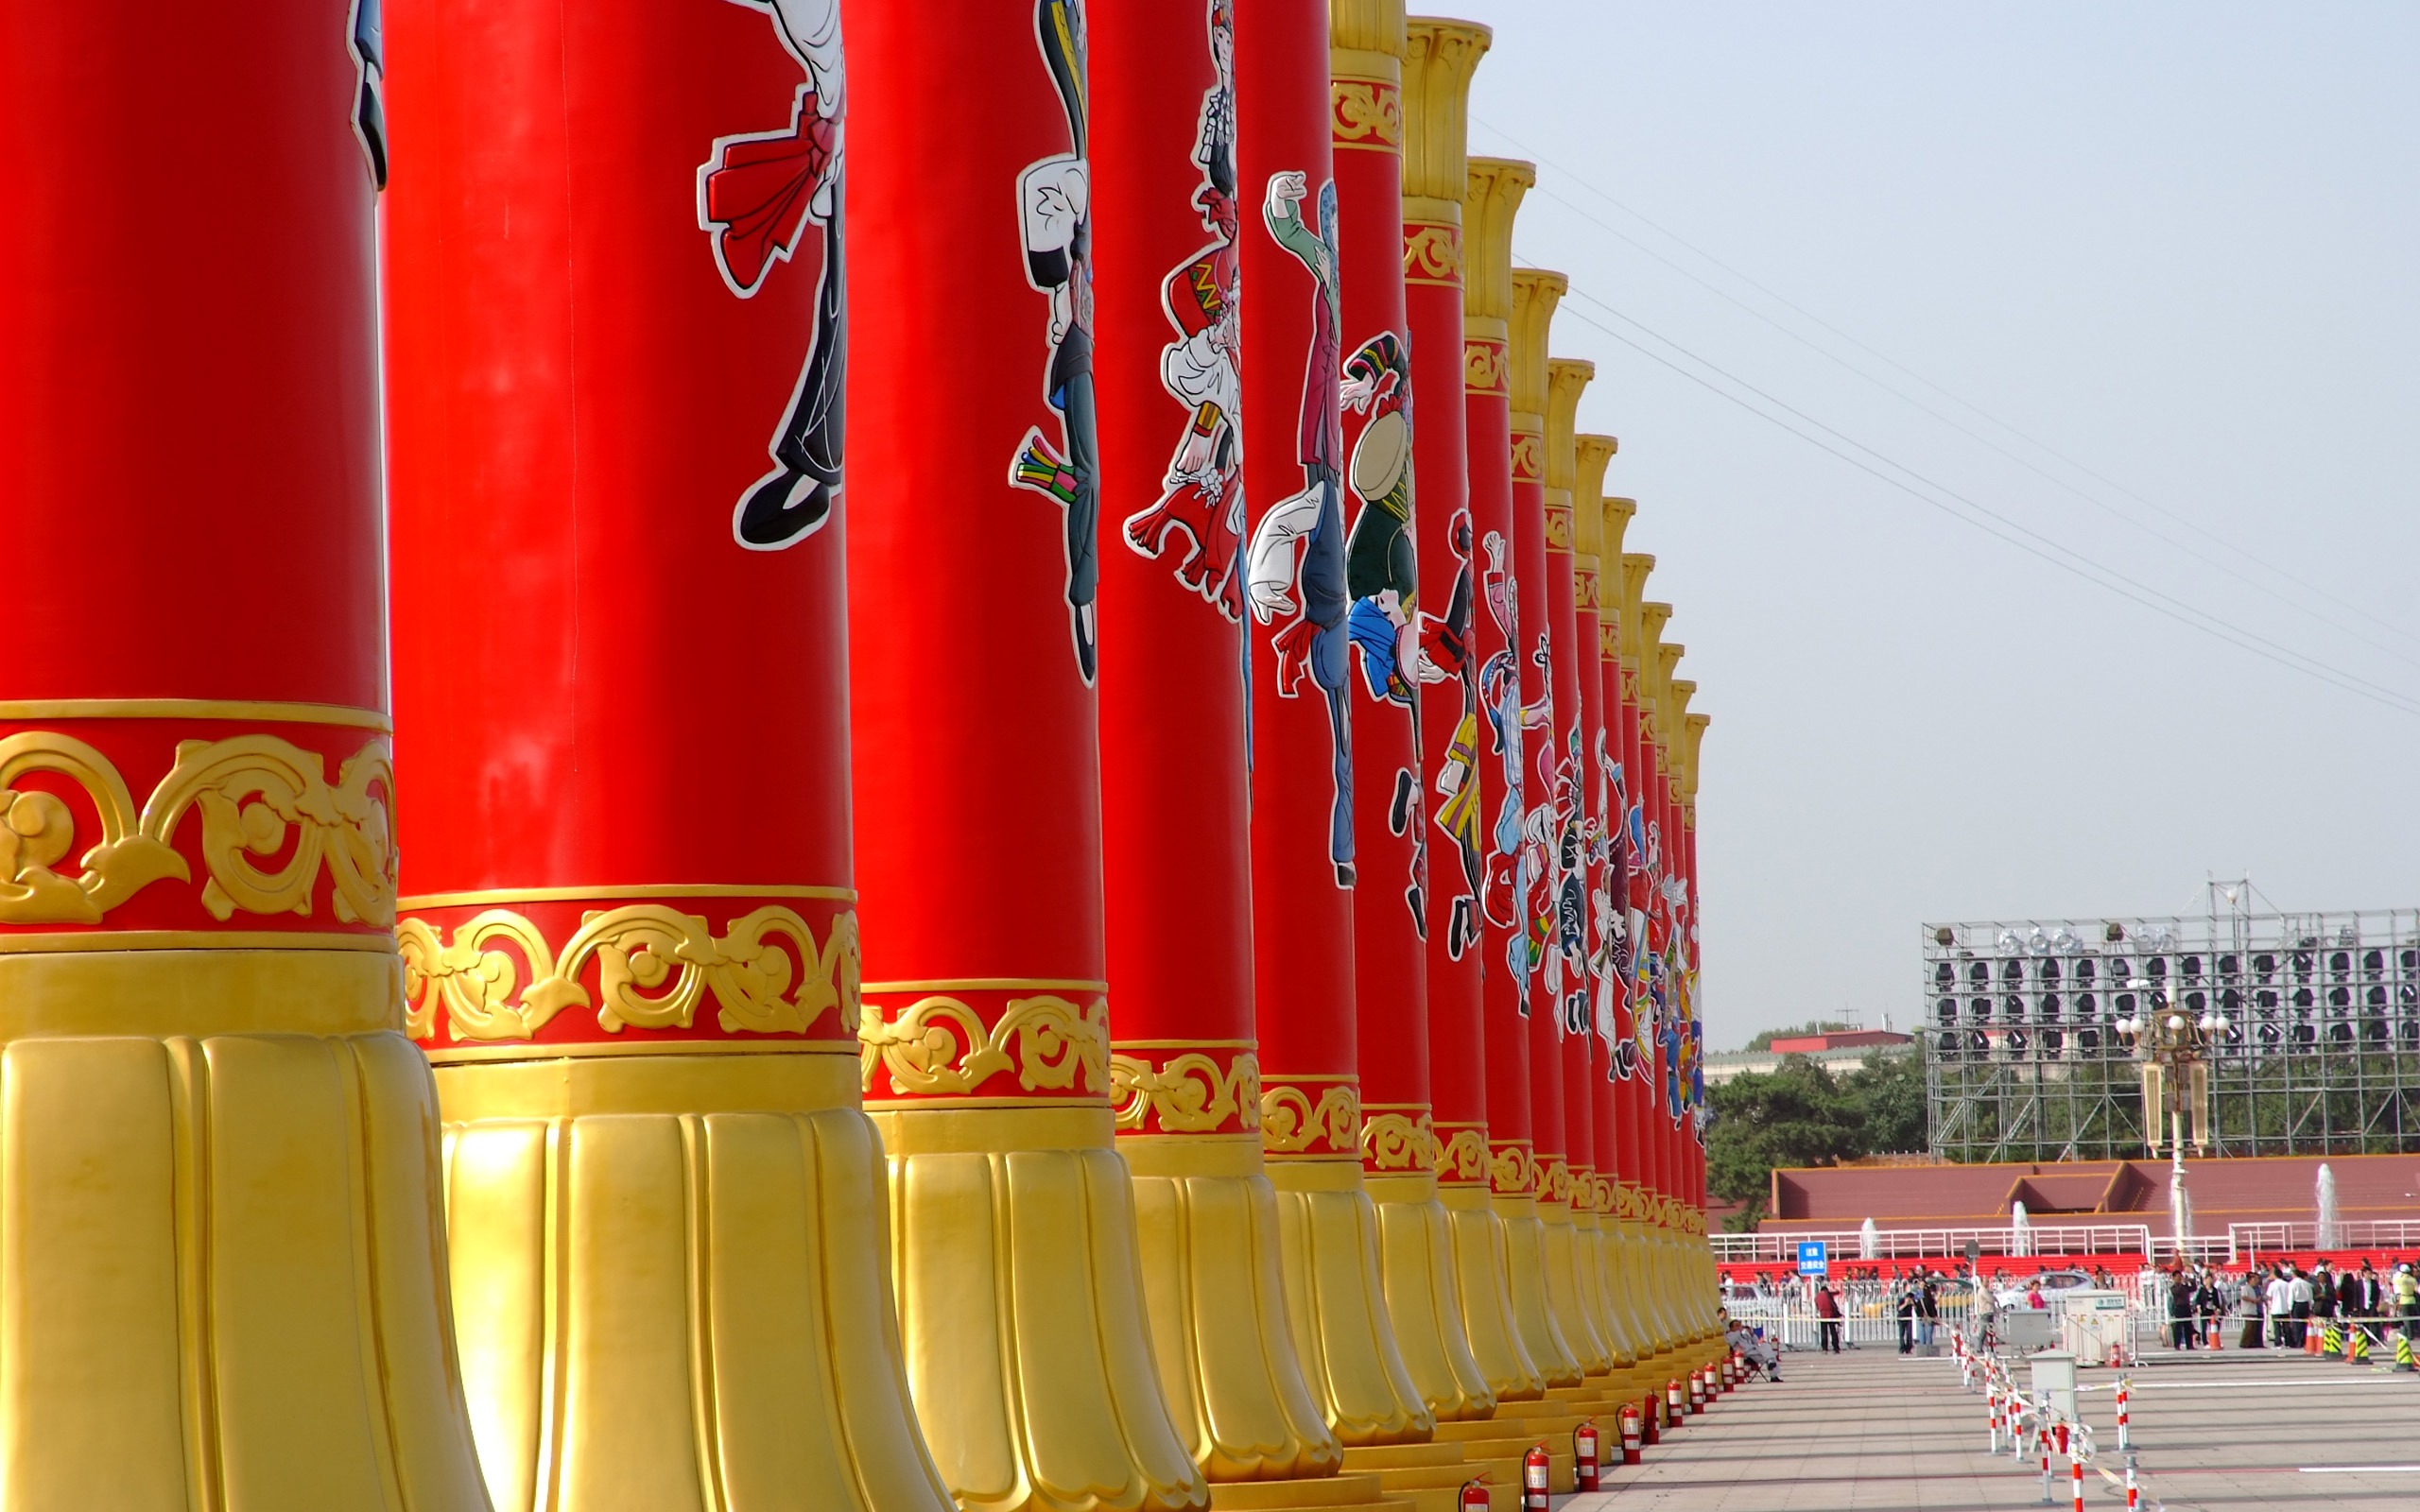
point(2321, 1053)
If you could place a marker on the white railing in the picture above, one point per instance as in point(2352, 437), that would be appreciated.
point(1869, 1318)
point(1845, 1246)
point(2248, 1239)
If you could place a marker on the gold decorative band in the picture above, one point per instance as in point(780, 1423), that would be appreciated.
point(1179, 1088)
point(460, 1054)
point(1530, 461)
point(494, 897)
point(1462, 1155)
point(195, 940)
point(942, 1046)
point(1512, 1166)
point(1559, 527)
point(652, 968)
point(1311, 1116)
point(1432, 253)
point(1486, 369)
point(1397, 1138)
point(256, 796)
point(1366, 114)
point(24, 710)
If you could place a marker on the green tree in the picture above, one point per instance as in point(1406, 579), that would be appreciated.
point(1791, 1115)
point(1886, 1094)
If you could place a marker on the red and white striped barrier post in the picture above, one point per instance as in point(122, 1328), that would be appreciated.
point(1991, 1409)
point(2125, 1440)
point(2133, 1503)
point(2075, 1470)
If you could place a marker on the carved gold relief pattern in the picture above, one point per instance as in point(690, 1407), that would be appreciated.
point(1558, 529)
point(1585, 595)
point(1510, 1168)
point(1432, 253)
point(1366, 112)
point(1462, 1157)
point(1292, 1123)
point(1186, 1094)
point(1398, 1141)
point(938, 1046)
point(1529, 462)
point(1551, 1179)
point(256, 793)
point(655, 965)
point(1485, 368)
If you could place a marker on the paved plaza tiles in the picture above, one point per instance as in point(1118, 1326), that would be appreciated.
point(1874, 1432)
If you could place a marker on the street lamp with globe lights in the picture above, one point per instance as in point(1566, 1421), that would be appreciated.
point(2174, 1048)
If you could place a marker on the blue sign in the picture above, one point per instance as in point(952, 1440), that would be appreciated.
point(1811, 1259)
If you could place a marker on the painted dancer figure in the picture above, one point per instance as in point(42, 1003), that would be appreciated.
point(757, 193)
point(1311, 584)
point(1054, 203)
point(1608, 962)
point(366, 41)
point(1382, 575)
point(1445, 653)
point(1510, 865)
point(1202, 494)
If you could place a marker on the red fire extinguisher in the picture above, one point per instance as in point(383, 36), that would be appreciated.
point(1583, 1455)
point(1651, 1420)
point(1475, 1497)
point(1697, 1391)
point(1676, 1401)
point(1633, 1436)
point(1534, 1468)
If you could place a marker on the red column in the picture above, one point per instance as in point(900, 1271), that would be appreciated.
point(1599, 747)
point(223, 1265)
point(1497, 188)
point(1534, 297)
point(1501, 1318)
point(1548, 784)
point(616, 349)
point(1382, 590)
point(1175, 815)
point(1304, 840)
point(973, 636)
point(1452, 620)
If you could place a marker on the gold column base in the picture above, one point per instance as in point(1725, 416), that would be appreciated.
point(1336, 1301)
point(1588, 1264)
point(222, 1257)
point(1561, 1251)
point(1525, 1274)
point(671, 1285)
point(1206, 1228)
point(1477, 1235)
point(1021, 1310)
point(1416, 1265)
point(1630, 1262)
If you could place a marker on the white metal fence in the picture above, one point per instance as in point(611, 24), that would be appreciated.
point(1845, 1244)
point(1868, 1315)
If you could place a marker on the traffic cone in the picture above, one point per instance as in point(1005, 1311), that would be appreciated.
point(2403, 1351)
point(2357, 1348)
point(2332, 1339)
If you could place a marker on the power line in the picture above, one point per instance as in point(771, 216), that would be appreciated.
point(1549, 191)
point(2001, 528)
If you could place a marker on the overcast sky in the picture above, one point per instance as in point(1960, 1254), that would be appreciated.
point(2178, 244)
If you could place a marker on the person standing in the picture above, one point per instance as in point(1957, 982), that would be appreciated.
point(1928, 1313)
point(1828, 1314)
point(2252, 1301)
point(2406, 1298)
point(2298, 1295)
point(1904, 1304)
point(2180, 1310)
point(2279, 1295)
point(2352, 1301)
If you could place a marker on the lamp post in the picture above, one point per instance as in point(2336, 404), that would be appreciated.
point(2173, 1047)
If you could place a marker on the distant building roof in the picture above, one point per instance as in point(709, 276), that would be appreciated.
point(1815, 1045)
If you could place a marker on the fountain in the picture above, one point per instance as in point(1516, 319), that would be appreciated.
point(1869, 1241)
point(2020, 1231)
point(2331, 1231)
